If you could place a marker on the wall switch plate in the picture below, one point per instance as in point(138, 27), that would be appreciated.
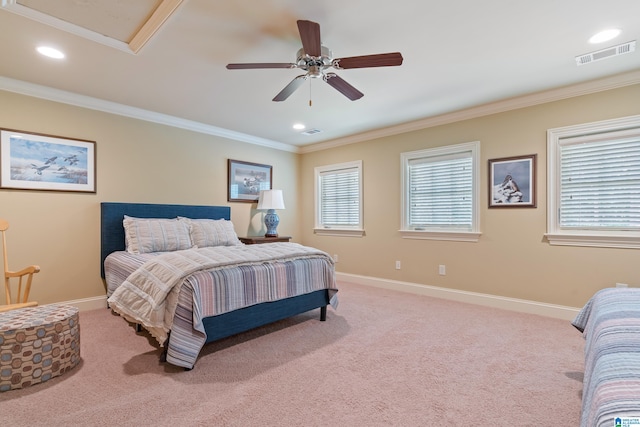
point(398, 265)
point(442, 270)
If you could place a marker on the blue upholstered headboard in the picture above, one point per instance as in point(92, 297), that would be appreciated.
point(112, 214)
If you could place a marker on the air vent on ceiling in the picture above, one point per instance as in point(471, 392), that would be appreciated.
point(609, 52)
point(311, 131)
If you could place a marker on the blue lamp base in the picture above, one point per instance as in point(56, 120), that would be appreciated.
point(271, 221)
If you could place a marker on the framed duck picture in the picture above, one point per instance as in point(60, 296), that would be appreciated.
point(246, 179)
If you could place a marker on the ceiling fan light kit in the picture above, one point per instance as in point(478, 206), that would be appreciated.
point(315, 59)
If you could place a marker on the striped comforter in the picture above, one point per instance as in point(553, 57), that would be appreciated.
point(226, 279)
point(119, 265)
point(610, 323)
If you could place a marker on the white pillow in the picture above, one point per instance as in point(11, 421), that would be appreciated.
point(144, 235)
point(211, 232)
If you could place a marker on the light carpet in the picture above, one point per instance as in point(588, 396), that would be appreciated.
point(384, 358)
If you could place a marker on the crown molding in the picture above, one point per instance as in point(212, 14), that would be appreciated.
point(593, 86)
point(57, 95)
point(44, 92)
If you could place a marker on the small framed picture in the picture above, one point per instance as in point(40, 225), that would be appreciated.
point(246, 180)
point(33, 161)
point(512, 182)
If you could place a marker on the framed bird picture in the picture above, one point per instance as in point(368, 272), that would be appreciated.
point(33, 161)
point(512, 182)
point(246, 179)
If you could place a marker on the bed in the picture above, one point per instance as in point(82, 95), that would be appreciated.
point(236, 288)
point(610, 324)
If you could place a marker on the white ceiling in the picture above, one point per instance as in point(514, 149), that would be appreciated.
point(457, 55)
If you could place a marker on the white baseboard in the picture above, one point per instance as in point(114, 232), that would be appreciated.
point(513, 304)
point(85, 304)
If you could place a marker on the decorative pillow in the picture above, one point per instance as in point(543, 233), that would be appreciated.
point(211, 232)
point(144, 235)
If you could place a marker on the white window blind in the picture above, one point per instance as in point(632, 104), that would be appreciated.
point(339, 198)
point(440, 189)
point(600, 184)
point(441, 192)
point(593, 184)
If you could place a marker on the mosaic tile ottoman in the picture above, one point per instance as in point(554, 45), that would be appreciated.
point(37, 344)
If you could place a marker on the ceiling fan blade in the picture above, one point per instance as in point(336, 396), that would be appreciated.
point(342, 86)
point(366, 61)
point(250, 66)
point(290, 88)
point(310, 37)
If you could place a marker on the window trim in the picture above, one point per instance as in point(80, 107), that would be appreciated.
point(354, 231)
point(556, 235)
point(473, 235)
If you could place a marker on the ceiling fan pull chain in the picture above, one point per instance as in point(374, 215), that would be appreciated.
point(310, 102)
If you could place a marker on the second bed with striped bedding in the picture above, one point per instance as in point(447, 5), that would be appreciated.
point(610, 323)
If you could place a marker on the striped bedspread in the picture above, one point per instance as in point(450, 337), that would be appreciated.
point(226, 279)
point(119, 265)
point(610, 323)
point(253, 284)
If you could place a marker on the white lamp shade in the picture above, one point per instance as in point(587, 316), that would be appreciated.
point(271, 199)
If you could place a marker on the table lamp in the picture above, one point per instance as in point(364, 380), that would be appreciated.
point(270, 200)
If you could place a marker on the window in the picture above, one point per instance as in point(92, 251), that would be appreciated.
point(594, 184)
point(339, 199)
point(440, 191)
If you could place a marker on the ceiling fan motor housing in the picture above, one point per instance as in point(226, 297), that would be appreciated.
point(315, 66)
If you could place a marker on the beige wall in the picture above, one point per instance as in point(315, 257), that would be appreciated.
point(137, 161)
point(512, 258)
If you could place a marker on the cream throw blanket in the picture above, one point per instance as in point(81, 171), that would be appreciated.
point(149, 296)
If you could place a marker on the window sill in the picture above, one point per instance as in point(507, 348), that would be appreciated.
point(626, 242)
point(455, 236)
point(338, 232)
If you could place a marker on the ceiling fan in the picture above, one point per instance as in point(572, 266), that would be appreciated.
point(315, 59)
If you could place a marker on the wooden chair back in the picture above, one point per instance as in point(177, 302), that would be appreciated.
point(22, 295)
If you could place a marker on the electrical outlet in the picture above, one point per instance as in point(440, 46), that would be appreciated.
point(335, 257)
point(398, 265)
point(442, 270)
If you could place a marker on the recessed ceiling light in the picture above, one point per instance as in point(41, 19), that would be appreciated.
point(605, 35)
point(50, 52)
point(299, 126)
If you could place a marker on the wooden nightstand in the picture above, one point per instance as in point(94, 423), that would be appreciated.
point(254, 240)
